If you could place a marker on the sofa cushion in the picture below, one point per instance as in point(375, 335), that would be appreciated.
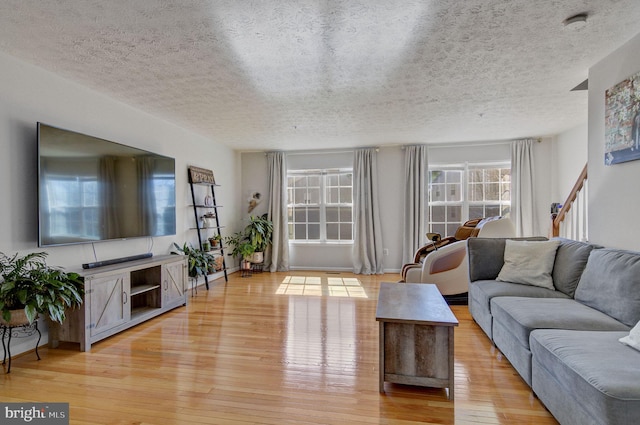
point(522, 315)
point(481, 292)
point(600, 373)
point(529, 262)
point(611, 283)
point(484, 291)
point(571, 258)
point(486, 256)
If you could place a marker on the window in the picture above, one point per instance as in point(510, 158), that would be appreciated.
point(458, 193)
point(164, 189)
point(320, 205)
point(74, 206)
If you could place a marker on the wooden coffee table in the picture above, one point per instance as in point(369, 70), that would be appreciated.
point(416, 336)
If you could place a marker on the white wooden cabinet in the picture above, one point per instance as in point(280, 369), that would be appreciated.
point(174, 284)
point(106, 299)
point(120, 296)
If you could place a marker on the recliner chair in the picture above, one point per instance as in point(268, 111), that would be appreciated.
point(447, 266)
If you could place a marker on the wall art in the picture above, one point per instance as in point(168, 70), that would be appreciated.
point(622, 121)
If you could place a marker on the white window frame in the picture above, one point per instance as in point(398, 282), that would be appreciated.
point(322, 205)
point(465, 203)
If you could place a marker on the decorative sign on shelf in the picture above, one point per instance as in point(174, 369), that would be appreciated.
point(201, 175)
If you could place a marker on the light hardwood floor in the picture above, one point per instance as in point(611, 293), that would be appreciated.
point(273, 348)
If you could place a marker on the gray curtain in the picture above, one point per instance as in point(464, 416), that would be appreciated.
point(145, 167)
point(108, 200)
point(277, 258)
point(522, 194)
point(415, 200)
point(367, 233)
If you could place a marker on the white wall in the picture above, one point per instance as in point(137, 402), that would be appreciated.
point(613, 195)
point(570, 152)
point(29, 94)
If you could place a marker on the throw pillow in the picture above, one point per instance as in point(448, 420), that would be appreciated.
point(529, 263)
point(633, 339)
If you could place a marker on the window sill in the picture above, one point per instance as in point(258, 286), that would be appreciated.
point(320, 243)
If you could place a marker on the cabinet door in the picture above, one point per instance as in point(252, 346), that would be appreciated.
point(109, 302)
point(174, 277)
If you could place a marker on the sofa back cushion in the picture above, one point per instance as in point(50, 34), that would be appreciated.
point(571, 259)
point(486, 256)
point(611, 283)
point(529, 262)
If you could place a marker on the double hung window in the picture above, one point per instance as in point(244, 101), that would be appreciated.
point(462, 192)
point(320, 205)
point(74, 206)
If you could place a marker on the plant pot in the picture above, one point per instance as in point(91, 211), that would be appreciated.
point(208, 222)
point(257, 257)
point(18, 318)
point(246, 265)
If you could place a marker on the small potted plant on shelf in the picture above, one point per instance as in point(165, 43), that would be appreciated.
point(28, 287)
point(259, 231)
point(215, 240)
point(198, 261)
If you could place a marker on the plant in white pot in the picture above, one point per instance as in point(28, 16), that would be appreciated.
point(259, 231)
point(241, 246)
point(28, 287)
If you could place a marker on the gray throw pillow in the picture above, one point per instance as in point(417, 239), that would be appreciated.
point(571, 259)
point(529, 263)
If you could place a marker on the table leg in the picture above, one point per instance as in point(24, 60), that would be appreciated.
point(39, 338)
point(9, 351)
point(4, 348)
point(451, 363)
point(381, 362)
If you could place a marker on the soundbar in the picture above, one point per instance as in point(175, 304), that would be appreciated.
point(116, 261)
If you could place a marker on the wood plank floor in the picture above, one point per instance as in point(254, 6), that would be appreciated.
point(273, 348)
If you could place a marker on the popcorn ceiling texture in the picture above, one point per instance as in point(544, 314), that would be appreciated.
point(262, 75)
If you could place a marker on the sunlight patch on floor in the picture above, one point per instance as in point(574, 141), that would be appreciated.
point(318, 286)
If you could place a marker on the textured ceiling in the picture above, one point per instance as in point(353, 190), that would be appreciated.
point(261, 75)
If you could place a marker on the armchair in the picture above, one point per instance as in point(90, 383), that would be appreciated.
point(448, 266)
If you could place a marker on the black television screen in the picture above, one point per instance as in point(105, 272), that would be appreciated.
point(91, 189)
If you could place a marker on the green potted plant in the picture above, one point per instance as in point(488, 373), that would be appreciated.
point(215, 240)
point(240, 246)
point(197, 260)
point(28, 287)
point(259, 231)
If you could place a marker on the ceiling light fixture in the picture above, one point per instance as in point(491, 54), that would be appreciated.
point(576, 21)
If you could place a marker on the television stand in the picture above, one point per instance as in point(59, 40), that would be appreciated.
point(120, 296)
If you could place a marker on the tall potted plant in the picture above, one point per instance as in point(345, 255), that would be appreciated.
point(28, 287)
point(259, 232)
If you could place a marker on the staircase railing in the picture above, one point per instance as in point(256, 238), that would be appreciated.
point(571, 220)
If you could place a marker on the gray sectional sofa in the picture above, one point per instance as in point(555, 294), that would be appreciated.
point(564, 342)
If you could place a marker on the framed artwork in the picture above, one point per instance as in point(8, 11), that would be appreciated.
point(622, 121)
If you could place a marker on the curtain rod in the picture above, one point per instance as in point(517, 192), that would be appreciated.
point(478, 144)
point(328, 151)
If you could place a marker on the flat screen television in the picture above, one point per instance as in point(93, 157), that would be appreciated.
point(91, 189)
